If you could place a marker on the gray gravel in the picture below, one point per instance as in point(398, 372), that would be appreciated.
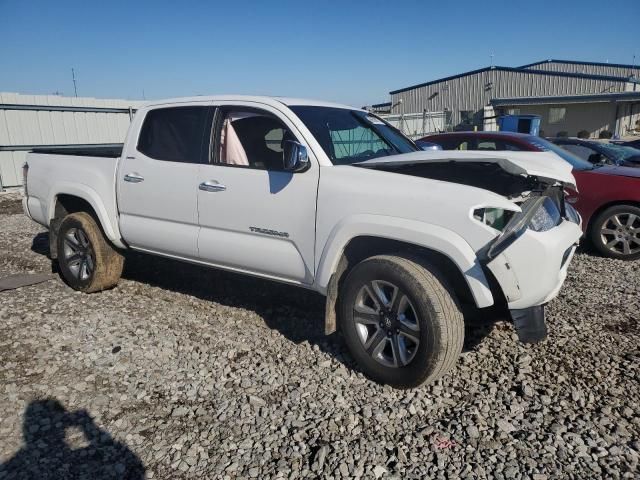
point(182, 372)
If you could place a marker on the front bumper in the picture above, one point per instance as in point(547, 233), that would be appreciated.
point(532, 270)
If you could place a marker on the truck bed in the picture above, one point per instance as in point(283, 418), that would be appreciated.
point(113, 150)
point(86, 173)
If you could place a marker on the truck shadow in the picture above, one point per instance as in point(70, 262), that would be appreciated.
point(48, 454)
point(296, 313)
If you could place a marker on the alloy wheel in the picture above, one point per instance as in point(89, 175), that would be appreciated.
point(620, 233)
point(78, 254)
point(386, 323)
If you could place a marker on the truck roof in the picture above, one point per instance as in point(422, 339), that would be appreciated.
point(270, 100)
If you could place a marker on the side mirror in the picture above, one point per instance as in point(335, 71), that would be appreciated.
point(422, 145)
point(295, 155)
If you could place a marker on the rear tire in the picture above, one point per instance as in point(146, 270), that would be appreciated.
point(86, 260)
point(615, 232)
point(400, 321)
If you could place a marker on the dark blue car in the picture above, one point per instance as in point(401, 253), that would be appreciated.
point(598, 153)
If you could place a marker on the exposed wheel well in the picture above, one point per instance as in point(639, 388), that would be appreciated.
point(64, 205)
point(363, 247)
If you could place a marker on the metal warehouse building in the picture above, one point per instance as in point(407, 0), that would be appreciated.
point(569, 95)
point(29, 121)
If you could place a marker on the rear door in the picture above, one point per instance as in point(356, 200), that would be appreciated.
point(157, 181)
point(254, 216)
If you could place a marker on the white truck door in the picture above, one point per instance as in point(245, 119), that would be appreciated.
point(157, 181)
point(254, 216)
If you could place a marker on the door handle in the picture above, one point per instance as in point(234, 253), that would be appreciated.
point(212, 186)
point(133, 178)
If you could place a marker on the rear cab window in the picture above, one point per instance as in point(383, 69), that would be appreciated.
point(173, 134)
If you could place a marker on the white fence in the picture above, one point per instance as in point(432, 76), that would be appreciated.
point(417, 125)
point(27, 121)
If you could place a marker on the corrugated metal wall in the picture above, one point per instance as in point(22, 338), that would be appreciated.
point(586, 68)
point(33, 127)
point(473, 92)
point(592, 117)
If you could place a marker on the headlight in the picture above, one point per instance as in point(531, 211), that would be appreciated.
point(572, 214)
point(545, 217)
point(538, 213)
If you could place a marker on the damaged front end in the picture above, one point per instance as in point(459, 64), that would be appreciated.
point(534, 241)
point(548, 224)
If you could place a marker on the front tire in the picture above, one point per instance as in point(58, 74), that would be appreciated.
point(615, 232)
point(87, 261)
point(399, 320)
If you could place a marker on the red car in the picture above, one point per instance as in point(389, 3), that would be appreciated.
point(609, 195)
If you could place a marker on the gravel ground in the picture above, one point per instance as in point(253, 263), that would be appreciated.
point(182, 372)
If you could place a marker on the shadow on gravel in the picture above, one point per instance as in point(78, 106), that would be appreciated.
point(479, 323)
point(47, 454)
point(297, 313)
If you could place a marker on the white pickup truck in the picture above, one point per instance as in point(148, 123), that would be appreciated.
point(326, 197)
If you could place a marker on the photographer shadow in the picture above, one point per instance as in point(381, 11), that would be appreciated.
point(48, 454)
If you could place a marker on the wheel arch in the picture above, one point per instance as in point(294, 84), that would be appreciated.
point(470, 283)
point(74, 200)
point(603, 207)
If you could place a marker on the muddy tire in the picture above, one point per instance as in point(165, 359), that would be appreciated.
point(86, 260)
point(615, 232)
point(400, 320)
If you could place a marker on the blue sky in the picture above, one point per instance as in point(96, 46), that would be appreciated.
point(348, 51)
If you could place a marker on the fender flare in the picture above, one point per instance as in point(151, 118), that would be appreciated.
point(414, 232)
point(89, 195)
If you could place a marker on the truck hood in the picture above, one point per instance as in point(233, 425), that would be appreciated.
point(545, 166)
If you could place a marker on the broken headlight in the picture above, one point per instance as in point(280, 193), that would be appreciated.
point(571, 214)
point(545, 217)
point(494, 217)
point(538, 213)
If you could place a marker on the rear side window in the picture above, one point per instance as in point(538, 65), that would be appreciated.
point(173, 134)
point(453, 144)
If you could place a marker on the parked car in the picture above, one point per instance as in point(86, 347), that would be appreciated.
point(600, 152)
point(629, 143)
point(325, 197)
point(609, 195)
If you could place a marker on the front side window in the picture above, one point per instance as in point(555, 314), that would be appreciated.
point(173, 134)
point(250, 138)
point(556, 115)
point(581, 151)
point(545, 145)
point(352, 136)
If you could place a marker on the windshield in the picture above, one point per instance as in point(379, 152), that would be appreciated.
point(352, 136)
point(575, 161)
point(618, 152)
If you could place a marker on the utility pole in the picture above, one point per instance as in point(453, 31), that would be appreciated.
point(75, 88)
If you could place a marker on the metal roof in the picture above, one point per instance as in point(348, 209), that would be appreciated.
point(516, 70)
point(577, 62)
point(269, 100)
point(600, 97)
